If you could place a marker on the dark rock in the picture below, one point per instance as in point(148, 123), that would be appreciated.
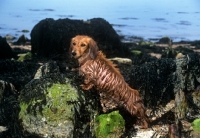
point(159, 80)
point(25, 31)
point(196, 43)
point(155, 81)
point(164, 40)
point(9, 110)
point(50, 38)
point(5, 50)
point(166, 79)
point(186, 89)
point(17, 73)
point(52, 100)
point(21, 40)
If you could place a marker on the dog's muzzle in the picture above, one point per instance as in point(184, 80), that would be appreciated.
point(73, 53)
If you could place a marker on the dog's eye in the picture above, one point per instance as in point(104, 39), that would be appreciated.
point(83, 45)
point(74, 43)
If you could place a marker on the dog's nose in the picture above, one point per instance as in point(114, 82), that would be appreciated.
point(73, 53)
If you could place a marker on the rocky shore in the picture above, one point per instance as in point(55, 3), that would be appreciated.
point(40, 96)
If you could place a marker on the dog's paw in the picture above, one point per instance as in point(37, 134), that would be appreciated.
point(86, 87)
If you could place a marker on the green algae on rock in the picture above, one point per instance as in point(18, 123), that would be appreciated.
point(54, 110)
point(196, 125)
point(47, 104)
point(196, 128)
point(110, 125)
point(24, 57)
point(60, 97)
point(136, 52)
point(52, 105)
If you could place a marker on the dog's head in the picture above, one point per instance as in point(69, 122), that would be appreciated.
point(83, 48)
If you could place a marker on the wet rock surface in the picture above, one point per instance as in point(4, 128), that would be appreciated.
point(9, 111)
point(51, 106)
point(17, 73)
point(155, 81)
point(166, 79)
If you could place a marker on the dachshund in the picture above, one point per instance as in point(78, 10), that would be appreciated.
point(102, 74)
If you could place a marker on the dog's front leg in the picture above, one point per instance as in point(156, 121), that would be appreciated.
point(87, 82)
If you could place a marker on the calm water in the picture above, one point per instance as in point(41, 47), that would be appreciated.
point(177, 19)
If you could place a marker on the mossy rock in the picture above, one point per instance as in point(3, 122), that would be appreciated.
point(196, 125)
point(51, 113)
point(53, 105)
point(110, 125)
point(24, 57)
point(147, 43)
point(196, 128)
point(136, 52)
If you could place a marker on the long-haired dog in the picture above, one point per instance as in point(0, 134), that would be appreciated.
point(101, 73)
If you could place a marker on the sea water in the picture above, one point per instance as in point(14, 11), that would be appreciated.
point(149, 19)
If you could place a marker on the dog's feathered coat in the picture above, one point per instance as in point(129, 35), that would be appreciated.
point(101, 73)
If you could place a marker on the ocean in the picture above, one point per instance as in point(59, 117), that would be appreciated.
point(149, 19)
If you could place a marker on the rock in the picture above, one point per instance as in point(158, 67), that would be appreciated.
point(166, 79)
point(155, 81)
point(51, 38)
point(17, 73)
point(196, 126)
point(25, 57)
point(10, 38)
point(21, 40)
point(25, 31)
point(9, 110)
point(124, 61)
point(124, 64)
point(51, 106)
point(111, 125)
point(6, 51)
point(164, 40)
point(2, 128)
point(196, 43)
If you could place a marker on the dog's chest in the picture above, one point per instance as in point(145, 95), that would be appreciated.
point(99, 73)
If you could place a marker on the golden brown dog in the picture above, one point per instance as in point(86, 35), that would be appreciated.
point(101, 73)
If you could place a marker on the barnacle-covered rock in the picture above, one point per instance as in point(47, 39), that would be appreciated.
point(186, 86)
point(53, 106)
point(9, 110)
point(155, 81)
point(17, 73)
point(165, 79)
point(188, 70)
point(51, 38)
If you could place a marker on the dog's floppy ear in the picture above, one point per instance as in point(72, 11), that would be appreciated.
point(93, 49)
